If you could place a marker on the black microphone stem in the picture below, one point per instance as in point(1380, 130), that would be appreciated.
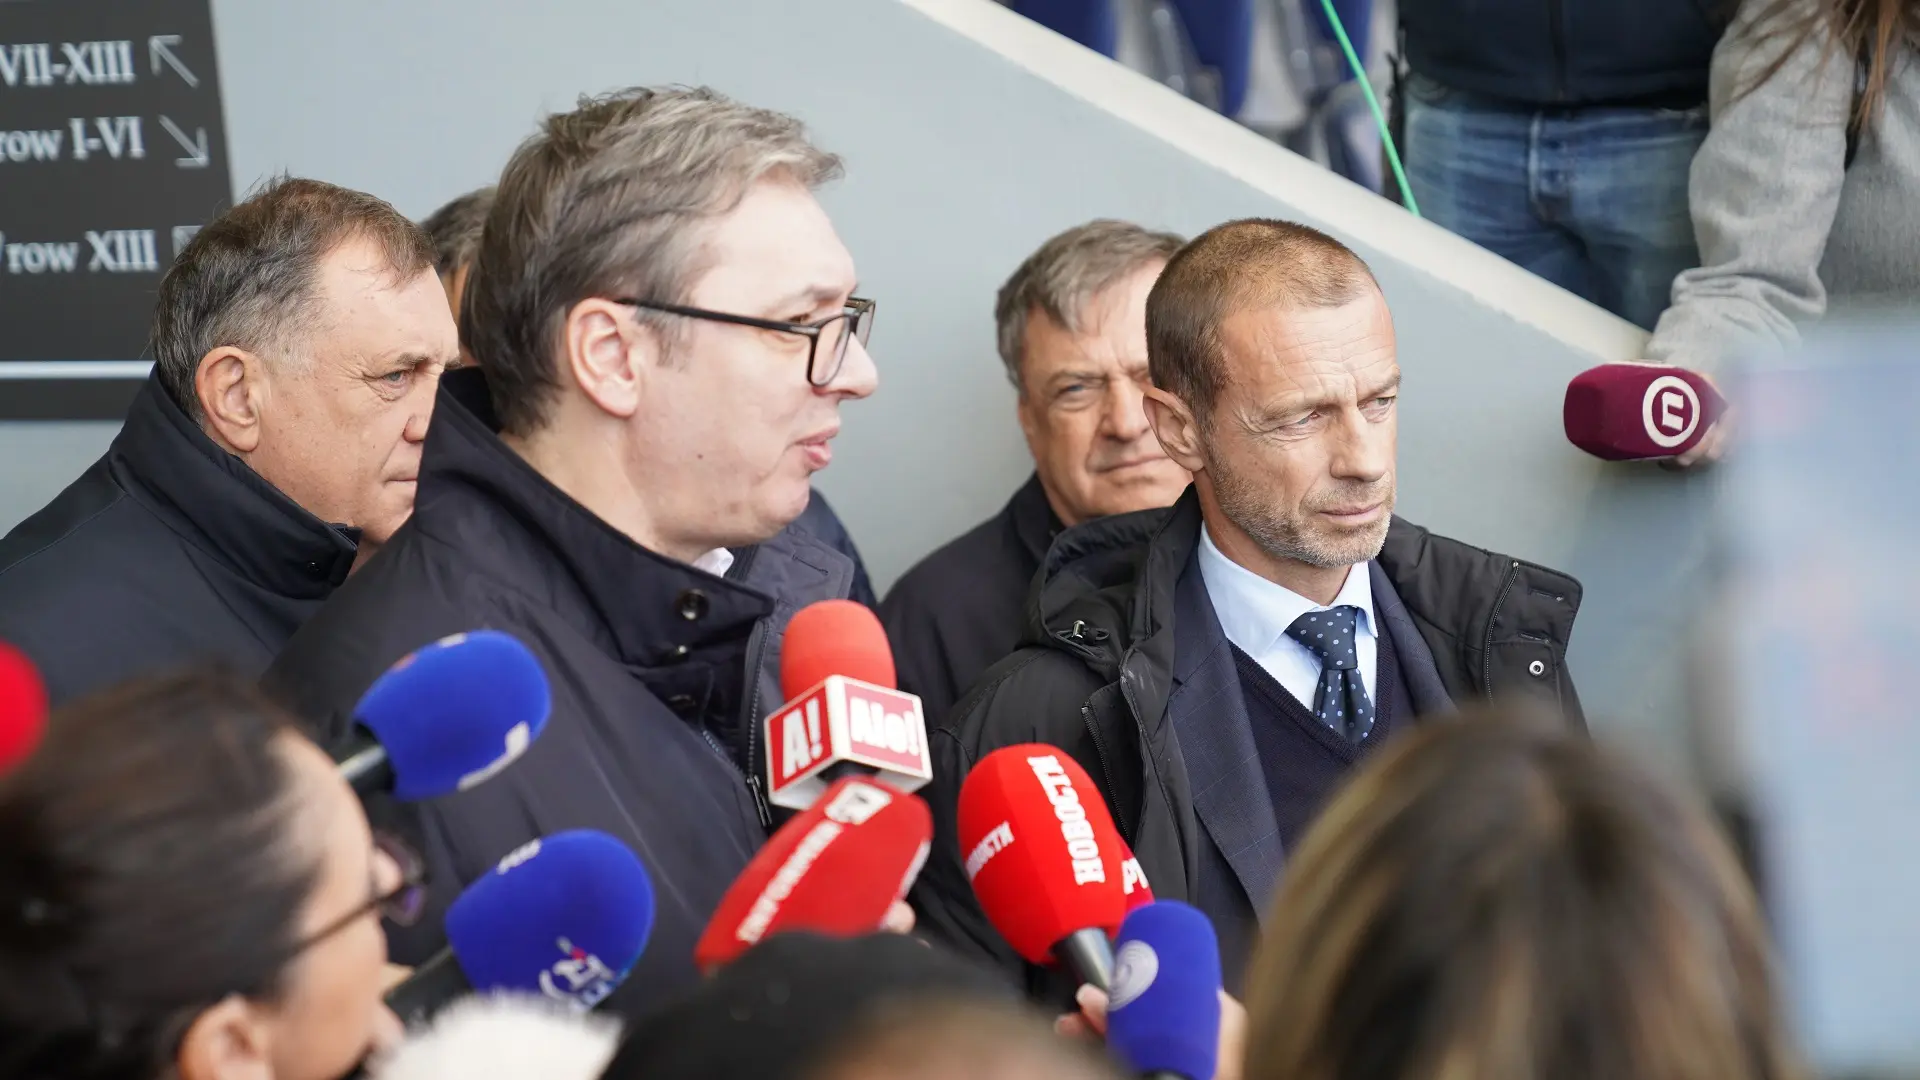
point(1090, 955)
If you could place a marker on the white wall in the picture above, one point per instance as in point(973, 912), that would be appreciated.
point(962, 157)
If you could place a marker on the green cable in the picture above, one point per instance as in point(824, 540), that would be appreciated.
point(1380, 118)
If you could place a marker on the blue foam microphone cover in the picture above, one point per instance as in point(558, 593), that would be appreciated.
point(564, 917)
point(456, 712)
point(1164, 1013)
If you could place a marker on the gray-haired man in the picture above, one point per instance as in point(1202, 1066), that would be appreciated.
point(297, 344)
point(1073, 336)
point(665, 329)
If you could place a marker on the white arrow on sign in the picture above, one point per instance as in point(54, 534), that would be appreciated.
point(160, 50)
point(196, 147)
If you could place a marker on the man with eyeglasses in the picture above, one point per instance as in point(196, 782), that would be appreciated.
point(665, 328)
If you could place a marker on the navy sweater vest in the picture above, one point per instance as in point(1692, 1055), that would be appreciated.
point(1305, 760)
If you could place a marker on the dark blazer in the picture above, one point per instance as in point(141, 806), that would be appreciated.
point(1123, 666)
point(168, 551)
point(959, 610)
point(1240, 861)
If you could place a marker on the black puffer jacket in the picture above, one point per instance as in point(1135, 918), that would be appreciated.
point(168, 552)
point(1567, 52)
point(1107, 675)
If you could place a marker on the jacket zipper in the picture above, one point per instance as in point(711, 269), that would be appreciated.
point(1557, 27)
point(1486, 643)
point(756, 648)
point(1106, 770)
point(1080, 634)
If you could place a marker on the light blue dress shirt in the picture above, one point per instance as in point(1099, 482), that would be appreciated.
point(1254, 613)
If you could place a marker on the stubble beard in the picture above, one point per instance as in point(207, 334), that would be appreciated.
point(1289, 535)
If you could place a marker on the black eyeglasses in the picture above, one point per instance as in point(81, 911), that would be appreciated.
point(857, 316)
point(400, 905)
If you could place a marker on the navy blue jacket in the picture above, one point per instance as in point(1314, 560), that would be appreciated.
point(168, 551)
point(659, 671)
point(1567, 52)
point(1124, 666)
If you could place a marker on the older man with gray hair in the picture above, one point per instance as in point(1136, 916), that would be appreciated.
point(665, 329)
point(1073, 336)
point(297, 344)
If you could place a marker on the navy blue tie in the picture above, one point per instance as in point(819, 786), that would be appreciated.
point(1341, 698)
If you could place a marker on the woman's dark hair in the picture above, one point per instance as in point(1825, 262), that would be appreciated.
point(1869, 33)
point(1495, 897)
point(145, 875)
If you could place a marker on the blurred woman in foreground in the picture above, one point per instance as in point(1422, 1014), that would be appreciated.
point(1496, 900)
point(188, 889)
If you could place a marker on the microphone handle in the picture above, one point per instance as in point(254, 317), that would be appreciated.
point(432, 987)
point(1090, 955)
point(364, 764)
point(840, 770)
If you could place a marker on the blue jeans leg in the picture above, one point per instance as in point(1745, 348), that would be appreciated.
point(1627, 199)
point(1470, 170)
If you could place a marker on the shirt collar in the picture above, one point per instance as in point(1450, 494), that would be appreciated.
point(716, 562)
point(1255, 612)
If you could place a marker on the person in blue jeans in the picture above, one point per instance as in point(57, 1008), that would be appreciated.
point(1558, 134)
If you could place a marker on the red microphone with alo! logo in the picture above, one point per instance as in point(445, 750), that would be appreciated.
point(843, 716)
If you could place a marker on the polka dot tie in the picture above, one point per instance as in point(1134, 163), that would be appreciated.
point(1341, 698)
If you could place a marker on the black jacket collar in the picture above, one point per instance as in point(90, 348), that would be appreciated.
point(1107, 588)
point(655, 611)
point(215, 502)
point(1033, 520)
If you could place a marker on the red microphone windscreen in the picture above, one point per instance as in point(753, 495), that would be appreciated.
point(833, 637)
point(23, 707)
point(1040, 848)
point(833, 869)
point(1631, 411)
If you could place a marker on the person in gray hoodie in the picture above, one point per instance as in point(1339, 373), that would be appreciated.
point(1806, 193)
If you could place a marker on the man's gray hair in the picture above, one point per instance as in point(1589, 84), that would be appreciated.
point(610, 200)
point(250, 278)
point(1064, 276)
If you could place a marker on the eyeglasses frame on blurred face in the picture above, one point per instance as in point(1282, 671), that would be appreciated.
point(401, 905)
point(858, 312)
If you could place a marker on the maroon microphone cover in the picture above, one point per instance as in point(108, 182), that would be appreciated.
point(1628, 412)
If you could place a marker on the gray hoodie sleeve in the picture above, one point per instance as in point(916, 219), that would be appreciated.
point(1764, 189)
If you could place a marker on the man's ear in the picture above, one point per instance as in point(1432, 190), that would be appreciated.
point(230, 1041)
point(231, 387)
point(1175, 427)
point(610, 354)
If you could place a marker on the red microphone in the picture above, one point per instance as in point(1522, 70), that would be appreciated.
point(1633, 411)
point(23, 707)
point(842, 717)
point(1133, 880)
point(1044, 858)
point(835, 869)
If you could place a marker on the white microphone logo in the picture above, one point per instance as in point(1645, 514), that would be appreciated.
point(1670, 411)
point(519, 737)
point(1134, 970)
